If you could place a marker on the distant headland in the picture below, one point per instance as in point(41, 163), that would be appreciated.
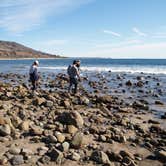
point(13, 50)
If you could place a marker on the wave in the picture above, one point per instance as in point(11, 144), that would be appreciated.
point(127, 69)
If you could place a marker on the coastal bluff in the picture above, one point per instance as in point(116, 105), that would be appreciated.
point(13, 50)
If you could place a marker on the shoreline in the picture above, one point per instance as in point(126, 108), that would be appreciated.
point(30, 58)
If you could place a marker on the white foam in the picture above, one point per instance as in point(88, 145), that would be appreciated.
point(127, 69)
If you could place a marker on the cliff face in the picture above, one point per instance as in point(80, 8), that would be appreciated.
point(12, 50)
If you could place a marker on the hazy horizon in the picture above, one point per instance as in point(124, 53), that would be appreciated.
point(130, 29)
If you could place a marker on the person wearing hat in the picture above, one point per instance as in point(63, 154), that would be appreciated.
point(33, 74)
point(74, 76)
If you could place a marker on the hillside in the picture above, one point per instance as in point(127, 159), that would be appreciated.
point(13, 50)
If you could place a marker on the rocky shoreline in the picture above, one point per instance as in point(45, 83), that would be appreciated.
point(114, 121)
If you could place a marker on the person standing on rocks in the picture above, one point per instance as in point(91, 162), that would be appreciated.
point(74, 76)
point(33, 74)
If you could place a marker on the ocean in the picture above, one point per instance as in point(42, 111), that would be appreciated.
point(151, 66)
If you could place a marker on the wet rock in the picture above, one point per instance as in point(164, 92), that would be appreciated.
point(17, 160)
point(163, 116)
point(100, 157)
point(5, 130)
point(140, 105)
point(77, 140)
point(104, 99)
point(140, 84)
point(129, 83)
point(158, 102)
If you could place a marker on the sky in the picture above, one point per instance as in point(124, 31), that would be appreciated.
point(87, 28)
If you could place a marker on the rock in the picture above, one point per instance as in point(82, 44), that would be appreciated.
point(72, 118)
point(44, 160)
point(102, 138)
point(49, 103)
point(5, 130)
point(65, 146)
point(77, 140)
point(40, 101)
point(17, 160)
point(71, 129)
point(24, 125)
point(140, 105)
point(56, 155)
point(3, 160)
point(2, 120)
point(14, 150)
point(129, 83)
point(124, 153)
point(36, 130)
point(52, 139)
point(153, 121)
point(42, 150)
point(60, 137)
point(100, 157)
point(158, 102)
point(16, 121)
point(84, 100)
point(163, 116)
point(104, 99)
point(75, 156)
point(114, 156)
point(66, 104)
point(161, 155)
point(26, 151)
point(140, 84)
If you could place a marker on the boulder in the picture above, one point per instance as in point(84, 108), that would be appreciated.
point(5, 130)
point(100, 157)
point(71, 118)
point(17, 160)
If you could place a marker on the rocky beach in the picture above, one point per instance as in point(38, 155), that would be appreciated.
point(117, 119)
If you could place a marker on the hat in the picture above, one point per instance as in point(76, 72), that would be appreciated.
point(37, 62)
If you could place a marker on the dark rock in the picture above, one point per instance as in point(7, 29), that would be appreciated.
point(72, 118)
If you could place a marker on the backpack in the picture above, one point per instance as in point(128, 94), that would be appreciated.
point(69, 69)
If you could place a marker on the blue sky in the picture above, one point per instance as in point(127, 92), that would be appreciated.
point(87, 28)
